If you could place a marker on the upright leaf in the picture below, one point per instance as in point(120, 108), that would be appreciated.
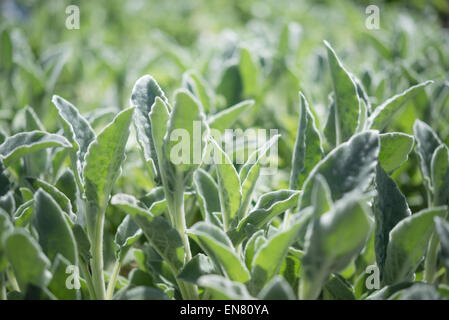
point(308, 151)
point(347, 104)
point(394, 150)
point(226, 118)
point(440, 176)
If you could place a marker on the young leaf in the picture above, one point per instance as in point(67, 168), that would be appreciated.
point(307, 151)
point(198, 87)
point(427, 142)
point(394, 150)
point(5, 228)
point(267, 207)
point(390, 207)
point(207, 193)
point(29, 263)
point(103, 164)
point(220, 249)
point(76, 128)
point(408, 244)
point(249, 73)
point(57, 285)
point(226, 118)
point(127, 233)
point(143, 97)
point(383, 114)
point(228, 184)
point(25, 143)
point(347, 104)
point(348, 167)
point(55, 234)
point(269, 258)
point(440, 176)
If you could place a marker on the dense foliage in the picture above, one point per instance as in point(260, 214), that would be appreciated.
point(358, 205)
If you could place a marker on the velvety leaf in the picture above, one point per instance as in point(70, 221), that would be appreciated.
point(347, 104)
point(66, 183)
point(224, 289)
point(427, 142)
point(394, 150)
point(408, 244)
point(337, 288)
point(249, 73)
point(440, 176)
point(442, 229)
point(269, 206)
point(228, 184)
point(384, 113)
point(76, 128)
point(29, 263)
point(5, 228)
point(226, 118)
point(103, 164)
point(127, 233)
point(269, 258)
point(207, 193)
point(142, 293)
point(348, 167)
point(55, 234)
point(334, 240)
point(230, 85)
point(57, 285)
point(200, 265)
point(143, 96)
point(277, 289)
point(390, 207)
point(307, 151)
point(164, 238)
point(198, 87)
point(25, 143)
point(220, 249)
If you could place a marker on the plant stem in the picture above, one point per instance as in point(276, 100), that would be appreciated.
point(2, 286)
point(88, 278)
point(97, 258)
point(113, 279)
point(431, 259)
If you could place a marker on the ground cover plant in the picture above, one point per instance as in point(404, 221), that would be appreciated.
point(116, 180)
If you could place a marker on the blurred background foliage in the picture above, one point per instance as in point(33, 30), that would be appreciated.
point(261, 50)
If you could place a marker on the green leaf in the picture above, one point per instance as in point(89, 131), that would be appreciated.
point(76, 128)
point(307, 151)
point(249, 73)
point(348, 167)
point(220, 249)
point(24, 213)
point(24, 143)
point(60, 198)
point(442, 229)
point(277, 289)
point(226, 118)
point(57, 285)
point(230, 86)
point(228, 184)
point(267, 207)
point(82, 242)
point(384, 113)
point(103, 164)
point(66, 183)
point(390, 207)
point(249, 175)
point(347, 103)
point(254, 243)
point(200, 265)
point(143, 98)
point(337, 288)
point(224, 289)
point(55, 234)
point(127, 233)
point(440, 176)
point(207, 194)
point(269, 258)
point(187, 122)
point(408, 244)
point(394, 150)
point(333, 241)
point(427, 142)
point(198, 87)
point(163, 237)
point(29, 263)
